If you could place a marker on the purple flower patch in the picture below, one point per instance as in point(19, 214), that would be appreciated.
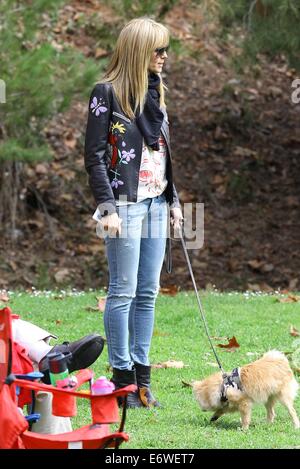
point(128, 155)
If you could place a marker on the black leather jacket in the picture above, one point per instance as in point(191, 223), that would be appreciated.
point(113, 150)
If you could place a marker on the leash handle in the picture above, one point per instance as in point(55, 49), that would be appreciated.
point(168, 261)
point(198, 299)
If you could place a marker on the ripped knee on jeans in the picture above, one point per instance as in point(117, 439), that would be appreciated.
point(149, 292)
point(121, 296)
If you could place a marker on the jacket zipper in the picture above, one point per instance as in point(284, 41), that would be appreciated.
point(121, 117)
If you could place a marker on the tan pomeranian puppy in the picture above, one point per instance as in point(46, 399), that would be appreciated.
point(264, 381)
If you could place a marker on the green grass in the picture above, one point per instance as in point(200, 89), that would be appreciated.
point(258, 322)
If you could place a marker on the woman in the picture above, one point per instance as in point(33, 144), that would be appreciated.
point(128, 160)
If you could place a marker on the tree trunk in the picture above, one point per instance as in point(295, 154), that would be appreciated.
point(261, 9)
point(10, 175)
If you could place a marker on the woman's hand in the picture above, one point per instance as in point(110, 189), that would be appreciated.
point(176, 217)
point(111, 224)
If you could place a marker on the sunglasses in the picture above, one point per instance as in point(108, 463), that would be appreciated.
point(160, 51)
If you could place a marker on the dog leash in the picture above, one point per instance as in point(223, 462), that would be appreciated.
point(199, 302)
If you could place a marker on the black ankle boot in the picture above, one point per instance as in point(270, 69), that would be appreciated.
point(122, 378)
point(143, 375)
point(82, 353)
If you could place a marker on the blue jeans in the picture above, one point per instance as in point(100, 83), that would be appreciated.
point(135, 260)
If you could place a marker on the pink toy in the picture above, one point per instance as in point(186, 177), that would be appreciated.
point(102, 386)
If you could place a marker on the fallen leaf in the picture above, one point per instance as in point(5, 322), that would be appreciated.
point(99, 52)
point(61, 275)
point(213, 364)
point(67, 197)
point(187, 385)
point(82, 249)
point(70, 142)
point(67, 174)
point(186, 196)
point(265, 287)
point(101, 303)
point(267, 267)
point(296, 370)
point(294, 332)
point(33, 223)
point(58, 322)
point(170, 290)
point(158, 333)
point(253, 287)
point(169, 364)
point(13, 266)
point(260, 266)
point(233, 265)
point(275, 91)
point(289, 299)
point(232, 344)
point(42, 168)
point(4, 297)
point(244, 152)
point(293, 284)
point(218, 179)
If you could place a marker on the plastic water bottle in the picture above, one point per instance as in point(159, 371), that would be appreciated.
point(58, 369)
point(102, 386)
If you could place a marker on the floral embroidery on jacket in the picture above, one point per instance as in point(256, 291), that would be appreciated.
point(117, 130)
point(116, 133)
point(98, 107)
point(117, 127)
point(116, 182)
point(127, 155)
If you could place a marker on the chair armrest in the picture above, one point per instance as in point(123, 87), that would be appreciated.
point(31, 376)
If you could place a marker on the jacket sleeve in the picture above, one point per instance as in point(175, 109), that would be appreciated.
point(176, 202)
point(96, 139)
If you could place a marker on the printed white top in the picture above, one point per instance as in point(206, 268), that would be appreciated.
point(152, 176)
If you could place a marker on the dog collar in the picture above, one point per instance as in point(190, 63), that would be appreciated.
point(234, 380)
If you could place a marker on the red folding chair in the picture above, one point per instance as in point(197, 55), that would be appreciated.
point(14, 429)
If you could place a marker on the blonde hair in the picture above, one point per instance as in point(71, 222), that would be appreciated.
point(128, 68)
